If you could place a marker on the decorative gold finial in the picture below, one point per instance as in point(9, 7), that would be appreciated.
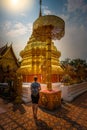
point(40, 14)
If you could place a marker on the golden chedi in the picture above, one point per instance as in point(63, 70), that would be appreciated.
point(36, 57)
point(34, 61)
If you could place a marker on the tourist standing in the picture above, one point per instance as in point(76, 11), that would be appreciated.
point(35, 88)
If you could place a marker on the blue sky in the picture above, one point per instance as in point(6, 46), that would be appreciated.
point(16, 20)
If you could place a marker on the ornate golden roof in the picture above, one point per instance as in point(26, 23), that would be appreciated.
point(5, 51)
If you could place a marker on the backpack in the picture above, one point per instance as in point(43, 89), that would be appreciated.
point(35, 88)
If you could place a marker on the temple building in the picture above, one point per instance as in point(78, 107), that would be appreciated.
point(34, 59)
point(8, 61)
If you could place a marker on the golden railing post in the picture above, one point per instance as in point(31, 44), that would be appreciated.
point(48, 64)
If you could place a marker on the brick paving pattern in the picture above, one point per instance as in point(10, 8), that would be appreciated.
point(71, 116)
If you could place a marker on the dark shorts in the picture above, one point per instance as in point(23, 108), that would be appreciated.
point(35, 99)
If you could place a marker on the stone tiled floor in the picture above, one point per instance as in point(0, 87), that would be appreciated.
point(71, 116)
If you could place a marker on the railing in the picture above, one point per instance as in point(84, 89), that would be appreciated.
point(68, 93)
point(72, 91)
point(26, 93)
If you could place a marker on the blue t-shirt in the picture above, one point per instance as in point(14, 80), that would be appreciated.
point(35, 86)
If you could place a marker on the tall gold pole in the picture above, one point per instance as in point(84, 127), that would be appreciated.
point(40, 13)
point(48, 64)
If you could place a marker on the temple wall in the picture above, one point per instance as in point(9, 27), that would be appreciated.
point(29, 78)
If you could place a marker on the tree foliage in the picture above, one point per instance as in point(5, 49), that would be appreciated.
point(75, 68)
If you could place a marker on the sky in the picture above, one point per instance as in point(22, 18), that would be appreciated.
point(17, 17)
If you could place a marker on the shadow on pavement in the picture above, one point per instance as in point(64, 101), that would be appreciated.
point(53, 112)
point(42, 125)
point(62, 114)
point(19, 107)
point(81, 102)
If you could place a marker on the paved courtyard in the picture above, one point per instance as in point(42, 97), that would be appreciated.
point(71, 116)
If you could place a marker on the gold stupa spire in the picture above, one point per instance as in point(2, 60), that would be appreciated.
point(40, 13)
point(35, 55)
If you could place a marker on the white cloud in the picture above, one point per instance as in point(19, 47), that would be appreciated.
point(30, 26)
point(84, 8)
point(46, 11)
point(73, 5)
point(23, 14)
point(64, 17)
point(73, 45)
point(17, 29)
point(16, 32)
point(7, 25)
point(1, 41)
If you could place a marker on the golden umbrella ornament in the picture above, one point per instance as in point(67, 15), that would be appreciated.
point(47, 28)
